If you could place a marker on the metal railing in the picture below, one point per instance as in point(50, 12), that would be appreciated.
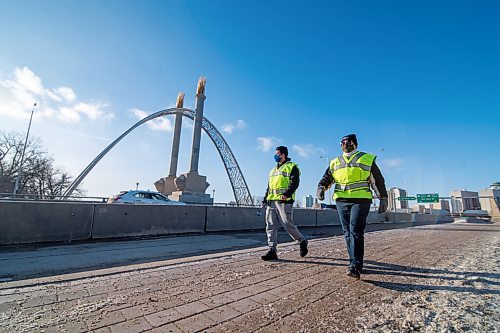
point(45, 197)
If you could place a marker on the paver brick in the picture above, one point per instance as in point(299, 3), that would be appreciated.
point(135, 325)
point(196, 323)
point(104, 319)
point(222, 313)
point(190, 309)
point(164, 317)
point(169, 328)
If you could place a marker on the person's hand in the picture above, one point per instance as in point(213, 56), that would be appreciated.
point(263, 204)
point(382, 207)
point(284, 198)
point(320, 193)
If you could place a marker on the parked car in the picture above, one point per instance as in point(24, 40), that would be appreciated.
point(142, 197)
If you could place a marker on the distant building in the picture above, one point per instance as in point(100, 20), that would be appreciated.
point(308, 201)
point(464, 200)
point(418, 208)
point(442, 204)
point(489, 199)
point(394, 204)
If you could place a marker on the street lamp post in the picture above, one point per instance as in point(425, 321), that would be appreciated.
point(16, 185)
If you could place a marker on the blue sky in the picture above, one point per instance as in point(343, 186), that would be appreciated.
point(418, 82)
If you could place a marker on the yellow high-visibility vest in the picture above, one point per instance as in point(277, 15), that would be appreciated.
point(279, 179)
point(352, 176)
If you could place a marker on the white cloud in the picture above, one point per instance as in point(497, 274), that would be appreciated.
point(69, 115)
point(266, 143)
point(66, 93)
point(392, 163)
point(26, 80)
point(229, 128)
point(241, 124)
point(157, 124)
point(24, 88)
point(91, 111)
point(308, 150)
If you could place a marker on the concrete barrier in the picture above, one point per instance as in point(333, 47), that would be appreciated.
point(34, 222)
point(398, 217)
point(327, 218)
point(431, 218)
point(121, 220)
point(235, 218)
point(375, 217)
point(24, 222)
point(304, 217)
point(443, 218)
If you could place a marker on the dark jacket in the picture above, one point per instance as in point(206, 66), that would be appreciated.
point(292, 187)
point(327, 181)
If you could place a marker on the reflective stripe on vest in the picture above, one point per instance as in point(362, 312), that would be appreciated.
point(351, 176)
point(279, 180)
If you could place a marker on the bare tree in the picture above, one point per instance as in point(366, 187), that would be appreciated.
point(39, 177)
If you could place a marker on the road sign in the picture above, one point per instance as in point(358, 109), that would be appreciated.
point(406, 198)
point(428, 198)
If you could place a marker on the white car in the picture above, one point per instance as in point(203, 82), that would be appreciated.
point(142, 197)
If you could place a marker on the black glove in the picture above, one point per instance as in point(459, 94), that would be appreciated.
point(320, 193)
point(382, 207)
point(264, 204)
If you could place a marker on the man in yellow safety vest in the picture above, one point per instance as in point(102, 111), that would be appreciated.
point(284, 180)
point(353, 173)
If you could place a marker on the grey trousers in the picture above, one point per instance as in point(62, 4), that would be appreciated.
point(280, 213)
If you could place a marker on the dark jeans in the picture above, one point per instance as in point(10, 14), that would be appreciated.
point(353, 219)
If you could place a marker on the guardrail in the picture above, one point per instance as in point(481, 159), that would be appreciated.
point(38, 197)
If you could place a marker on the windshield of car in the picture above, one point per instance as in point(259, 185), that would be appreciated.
point(143, 195)
point(159, 197)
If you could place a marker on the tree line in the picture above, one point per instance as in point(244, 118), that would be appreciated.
point(39, 177)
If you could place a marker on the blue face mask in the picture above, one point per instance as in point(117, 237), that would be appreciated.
point(277, 158)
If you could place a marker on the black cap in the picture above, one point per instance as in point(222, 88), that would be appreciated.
point(283, 150)
point(350, 137)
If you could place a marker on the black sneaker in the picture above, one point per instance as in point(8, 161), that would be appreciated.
point(353, 272)
point(303, 248)
point(270, 255)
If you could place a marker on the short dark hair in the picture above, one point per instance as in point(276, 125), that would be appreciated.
point(283, 150)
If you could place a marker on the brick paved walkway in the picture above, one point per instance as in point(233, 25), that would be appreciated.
point(237, 292)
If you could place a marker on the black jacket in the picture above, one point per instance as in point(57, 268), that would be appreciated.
point(292, 186)
point(327, 181)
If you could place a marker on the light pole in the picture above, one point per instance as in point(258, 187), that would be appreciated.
point(213, 195)
point(136, 186)
point(16, 185)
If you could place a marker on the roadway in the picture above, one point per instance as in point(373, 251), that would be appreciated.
point(442, 277)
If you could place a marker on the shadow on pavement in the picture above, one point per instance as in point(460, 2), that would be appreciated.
point(387, 269)
point(406, 287)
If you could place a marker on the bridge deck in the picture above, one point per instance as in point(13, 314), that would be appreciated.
point(432, 278)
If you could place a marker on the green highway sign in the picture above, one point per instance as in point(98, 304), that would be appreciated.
point(406, 198)
point(428, 198)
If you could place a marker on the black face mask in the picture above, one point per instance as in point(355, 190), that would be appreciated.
point(348, 147)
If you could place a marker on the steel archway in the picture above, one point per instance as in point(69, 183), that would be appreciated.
point(238, 183)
